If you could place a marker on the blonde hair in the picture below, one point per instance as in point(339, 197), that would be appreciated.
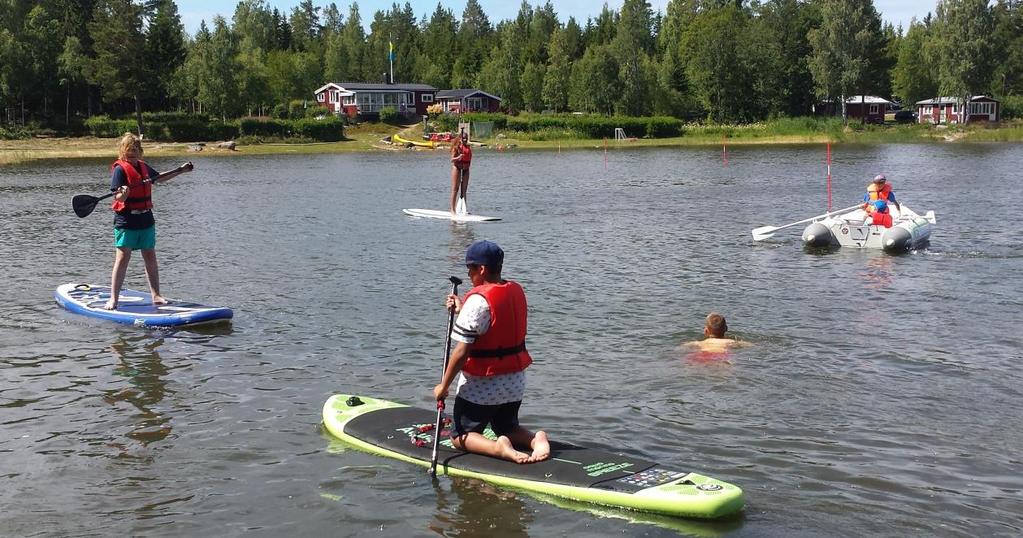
point(129, 142)
point(717, 325)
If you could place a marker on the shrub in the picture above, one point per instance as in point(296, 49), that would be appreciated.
point(13, 132)
point(105, 127)
point(263, 127)
point(1012, 107)
point(390, 115)
point(222, 130)
point(328, 129)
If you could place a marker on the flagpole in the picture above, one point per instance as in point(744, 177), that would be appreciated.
point(390, 56)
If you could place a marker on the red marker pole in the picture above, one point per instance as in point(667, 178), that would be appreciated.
point(828, 161)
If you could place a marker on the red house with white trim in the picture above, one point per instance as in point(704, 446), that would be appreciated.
point(367, 99)
point(946, 110)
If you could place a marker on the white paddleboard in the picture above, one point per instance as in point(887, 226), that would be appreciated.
point(447, 215)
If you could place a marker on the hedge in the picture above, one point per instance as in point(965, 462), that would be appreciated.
point(589, 126)
point(329, 129)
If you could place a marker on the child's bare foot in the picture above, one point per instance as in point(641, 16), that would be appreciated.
point(111, 305)
point(541, 448)
point(508, 451)
point(158, 299)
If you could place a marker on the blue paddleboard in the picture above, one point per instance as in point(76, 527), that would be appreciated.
point(137, 308)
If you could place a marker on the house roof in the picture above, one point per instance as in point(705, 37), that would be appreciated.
point(462, 93)
point(954, 100)
point(376, 86)
point(323, 88)
point(869, 99)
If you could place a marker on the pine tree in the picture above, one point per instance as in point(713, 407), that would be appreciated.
point(164, 50)
point(118, 67)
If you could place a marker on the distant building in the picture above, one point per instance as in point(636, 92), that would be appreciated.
point(868, 108)
point(946, 109)
point(468, 100)
point(368, 98)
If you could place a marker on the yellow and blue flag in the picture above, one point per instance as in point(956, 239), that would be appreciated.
point(390, 53)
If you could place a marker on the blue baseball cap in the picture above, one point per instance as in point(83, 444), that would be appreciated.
point(484, 252)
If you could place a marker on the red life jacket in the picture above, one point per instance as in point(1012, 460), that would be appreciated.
point(465, 157)
point(502, 349)
point(139, 192)
point(879, 195)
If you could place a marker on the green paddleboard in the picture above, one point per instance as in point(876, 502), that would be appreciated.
point(573, 472)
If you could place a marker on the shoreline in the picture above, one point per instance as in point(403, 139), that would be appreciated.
point(368, 139)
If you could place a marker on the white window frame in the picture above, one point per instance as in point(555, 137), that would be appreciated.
point(986, 108)
point(426, 98)
point(470, 101)
point(321, 97)
point(873, 108)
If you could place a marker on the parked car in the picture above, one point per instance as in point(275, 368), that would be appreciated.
point(905, 116)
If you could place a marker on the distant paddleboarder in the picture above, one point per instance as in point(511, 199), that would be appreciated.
point(461, 158)
point(134, 225)
point(489, 362)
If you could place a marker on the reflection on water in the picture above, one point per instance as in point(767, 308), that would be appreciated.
point(462, 235)
point(878, 273)
point(140, 364)
point(465, 506)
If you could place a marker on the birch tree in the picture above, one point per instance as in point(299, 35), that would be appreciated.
point(962, 30)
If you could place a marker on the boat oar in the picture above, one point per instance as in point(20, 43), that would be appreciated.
point(83, 204)
point(764, 232)
point(455, 281)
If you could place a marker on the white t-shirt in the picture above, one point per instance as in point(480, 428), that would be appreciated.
point(474, 321)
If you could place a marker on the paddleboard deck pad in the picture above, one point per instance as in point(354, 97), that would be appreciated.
point(447, 215)
point(573, 472)
point(136, 307)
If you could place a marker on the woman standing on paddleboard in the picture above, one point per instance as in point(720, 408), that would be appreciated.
point(461, 158)
point(134, 226)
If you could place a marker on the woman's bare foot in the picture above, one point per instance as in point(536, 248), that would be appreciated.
point(508, 451)
point(541, 447)
point(158, 299)
point(111, 305)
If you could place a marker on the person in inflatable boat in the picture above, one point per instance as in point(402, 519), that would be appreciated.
point(878, 215)
point(879, 189)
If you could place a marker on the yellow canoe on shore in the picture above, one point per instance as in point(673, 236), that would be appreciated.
point(425, 144)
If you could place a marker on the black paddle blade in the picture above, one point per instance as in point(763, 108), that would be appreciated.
point(84, 204)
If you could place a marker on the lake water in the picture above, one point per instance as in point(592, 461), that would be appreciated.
point(880, 395)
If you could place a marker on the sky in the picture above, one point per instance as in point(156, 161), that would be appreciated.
point(193, 11)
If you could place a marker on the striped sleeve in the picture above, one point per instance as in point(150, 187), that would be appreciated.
point(473, 320)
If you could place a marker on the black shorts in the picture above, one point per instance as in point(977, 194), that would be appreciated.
point(473, 417)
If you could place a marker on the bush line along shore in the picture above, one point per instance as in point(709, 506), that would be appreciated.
point(171, 136)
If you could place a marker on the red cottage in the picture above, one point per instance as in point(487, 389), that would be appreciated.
point(468, 100)
point(946, 110)
point(367, 99)
point(868, 108)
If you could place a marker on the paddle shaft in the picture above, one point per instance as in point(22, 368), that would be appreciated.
point(84, 204)
point(767, 231)
point(455, 281)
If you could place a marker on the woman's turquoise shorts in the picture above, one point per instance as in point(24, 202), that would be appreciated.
point(135, 239)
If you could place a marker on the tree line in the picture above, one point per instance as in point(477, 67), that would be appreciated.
point(62, 61)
